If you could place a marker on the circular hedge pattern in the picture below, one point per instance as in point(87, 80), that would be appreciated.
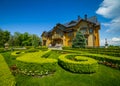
point(78, 64)
point(32, 62)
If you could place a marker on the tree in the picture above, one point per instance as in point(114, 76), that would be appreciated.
point(79, 41)
point(4, 37)
point(35, 41)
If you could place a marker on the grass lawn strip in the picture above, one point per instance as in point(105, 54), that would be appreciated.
point(6, 77)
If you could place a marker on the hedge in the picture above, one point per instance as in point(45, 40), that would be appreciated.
point(33, 62)
point(17, 53)
point(115, 60)
point(6, 77)
point(80, 65)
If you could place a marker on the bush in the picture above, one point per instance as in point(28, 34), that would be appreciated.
point(46, 54)
point(43, 48)
point(2, 50)
point(32, 50)
point(17, 53)
point(34, 62)
point(106, 58)
point(80, 64)
point(6, 78)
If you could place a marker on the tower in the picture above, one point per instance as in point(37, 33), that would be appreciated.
point(106, 44)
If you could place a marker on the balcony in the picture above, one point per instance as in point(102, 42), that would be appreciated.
point(56, 36)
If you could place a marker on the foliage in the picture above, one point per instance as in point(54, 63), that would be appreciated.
point(32, 50)
point(17, 53)
point(43, 48)
point(114, 61)
point(6, 78)
point(80, 65)
point(2, 50)
point(106, 58)
point(103, 77)
point(79, 41)
point(4, 37)
point(33, 62)
point(105, 51)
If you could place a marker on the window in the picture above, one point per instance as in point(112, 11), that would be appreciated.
point(83, 30)
point(59, 32)
point(91, 30)
point(70, 34)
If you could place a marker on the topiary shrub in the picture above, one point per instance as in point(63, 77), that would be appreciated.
point(32, 50)
point(32, 62)
point(78, 64)
point(17, 53)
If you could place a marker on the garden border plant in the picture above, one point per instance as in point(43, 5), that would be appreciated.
point(103, 59)
point(80, 65)
point(33, 64)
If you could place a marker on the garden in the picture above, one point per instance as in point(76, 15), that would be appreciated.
point(67, 67)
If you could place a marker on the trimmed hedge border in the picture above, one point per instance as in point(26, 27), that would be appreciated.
point(80, 65)
point(17, 53)
point(115, 60)
point(6, 77)
point(104, 59)
point(33, 62)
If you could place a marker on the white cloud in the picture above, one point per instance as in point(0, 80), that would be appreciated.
point(112, 41)
point(111, 9)
point(115, 39)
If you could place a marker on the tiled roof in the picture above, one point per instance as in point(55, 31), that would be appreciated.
point(74, 22)
point(92, 19)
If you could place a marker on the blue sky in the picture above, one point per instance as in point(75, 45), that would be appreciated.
point(35, 16)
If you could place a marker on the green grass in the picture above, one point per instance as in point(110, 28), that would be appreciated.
point(6, 77)
point(105, 76)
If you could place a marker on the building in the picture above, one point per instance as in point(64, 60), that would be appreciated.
point(63, 34)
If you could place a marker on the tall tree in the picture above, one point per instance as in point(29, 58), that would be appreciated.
point(79, 41)
point(4, 37)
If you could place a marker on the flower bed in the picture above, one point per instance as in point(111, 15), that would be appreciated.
point(80, 64)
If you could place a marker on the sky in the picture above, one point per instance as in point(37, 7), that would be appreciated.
point(36, 16)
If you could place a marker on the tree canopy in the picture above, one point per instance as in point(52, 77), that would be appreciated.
point(19, 39)
point(79, 41)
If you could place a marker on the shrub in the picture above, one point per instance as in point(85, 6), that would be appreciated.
point(2, 50)
point(106, 58)
point(43, 48)
point(46, 54)
point(79, 41)
point(32, 50)
point(6, 78)
point(80, 65)
point(34, 62)
point(17, 53)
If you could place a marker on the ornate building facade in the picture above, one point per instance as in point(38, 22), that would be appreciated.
point(63, 34)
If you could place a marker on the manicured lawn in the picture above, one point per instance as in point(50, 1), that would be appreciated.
point(105, 76)
point(6, 77)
